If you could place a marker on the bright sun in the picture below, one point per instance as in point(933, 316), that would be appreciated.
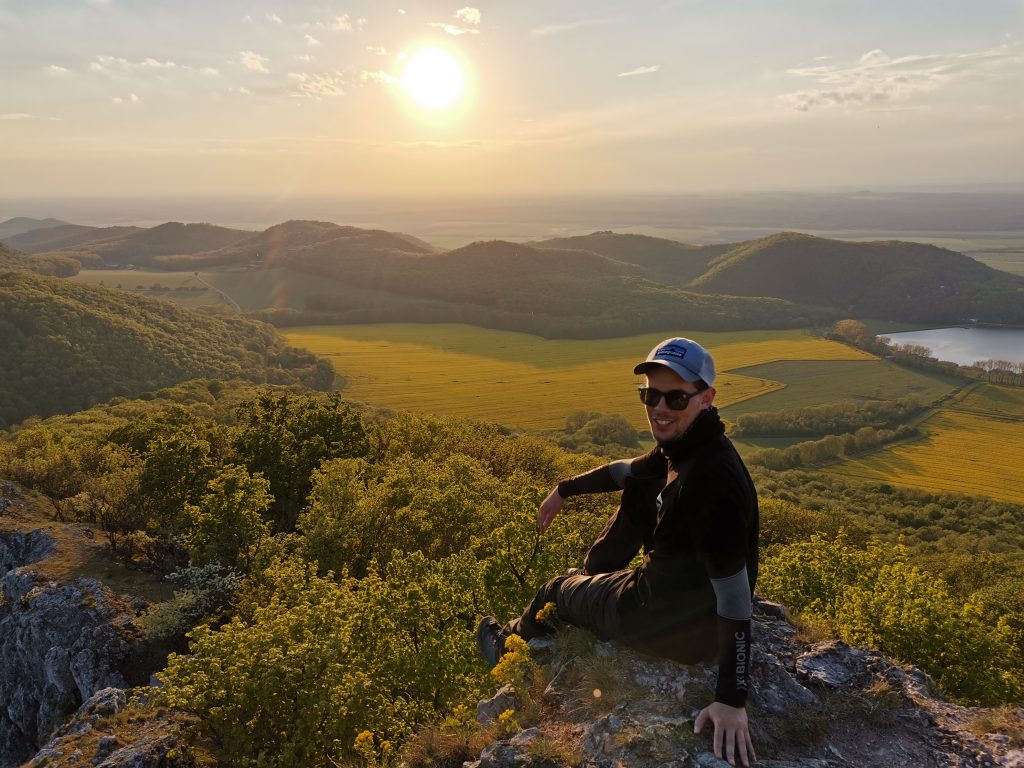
point(433, 78)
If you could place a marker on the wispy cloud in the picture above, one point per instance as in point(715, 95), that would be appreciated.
point(556, 29)
point(379, 76)
point(303, 57)
point(273, 18)
point(16, 116)
point(343, 22)
point(876, 78)
point(640, 71)
point(453, 29)
point(56, 69)
point(155, 64)
point(252, 60)
point(104, 63)
point(132, 99)
point(110, 64)
point(311, 42)
point(469, 16)
point(377, 50)
point(317, 86)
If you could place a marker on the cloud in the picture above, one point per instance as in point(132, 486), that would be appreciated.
point(380, 76)
point(317, 86)
point(209, 71)
point(303, 57)
point(252, 60)
point(154, 64)
point(377, 50)
point(311, 42)
point(106, 63)
point(468, 16)
point(55, 69)
point(109, 64)
point(132, 99)
point(556, 29)
point(640, 71)
point(25, 116)
point(876, 78)
point(401, 11)
point(453, 29)
point(273, 18)
point(343, 22)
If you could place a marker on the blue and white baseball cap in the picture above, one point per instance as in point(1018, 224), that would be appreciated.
point(685, 357)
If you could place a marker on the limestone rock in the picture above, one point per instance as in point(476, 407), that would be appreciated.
point(824, 705)
point(151, 743)
point(59, 644)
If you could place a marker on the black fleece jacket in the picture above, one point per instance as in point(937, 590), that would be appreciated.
point(696, 505)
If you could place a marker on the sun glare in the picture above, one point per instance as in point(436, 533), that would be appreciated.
point(433, 78)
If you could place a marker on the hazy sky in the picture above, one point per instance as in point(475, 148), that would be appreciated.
point(136, 97)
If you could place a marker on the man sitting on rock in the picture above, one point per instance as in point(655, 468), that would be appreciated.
point(691, 506)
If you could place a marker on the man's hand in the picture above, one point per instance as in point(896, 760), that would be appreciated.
point(731, 729)
point(547, 510)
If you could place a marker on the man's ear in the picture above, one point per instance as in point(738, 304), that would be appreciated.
point(707, 397)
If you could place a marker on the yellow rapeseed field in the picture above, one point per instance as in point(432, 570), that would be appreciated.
point(526, 381)
point(965, 452)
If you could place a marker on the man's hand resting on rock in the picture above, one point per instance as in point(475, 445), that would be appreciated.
point(732, 733)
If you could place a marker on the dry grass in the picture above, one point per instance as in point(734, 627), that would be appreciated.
point(1008, 721)
point(81, 551)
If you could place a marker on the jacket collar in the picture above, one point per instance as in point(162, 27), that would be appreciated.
point(706, 427)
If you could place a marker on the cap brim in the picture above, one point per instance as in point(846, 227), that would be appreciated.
point(683, 373)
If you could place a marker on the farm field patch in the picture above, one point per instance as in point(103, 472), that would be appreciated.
point(525, 381)
point(816, 382)
point(961, 452)
point(993, 401)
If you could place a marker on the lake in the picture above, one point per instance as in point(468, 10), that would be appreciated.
point(967, 345)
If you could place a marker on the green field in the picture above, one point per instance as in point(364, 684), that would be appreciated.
point(814, 382)
point(527, 382)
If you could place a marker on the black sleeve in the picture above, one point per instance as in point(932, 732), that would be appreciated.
point(720, 532)
point(611, 477)
point(733, 661)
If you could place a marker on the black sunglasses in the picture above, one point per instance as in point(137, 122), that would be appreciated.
point(676, 399)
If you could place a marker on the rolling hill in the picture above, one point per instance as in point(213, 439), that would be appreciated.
point(128, 245)
point(68, 346)
point(665, 259)
point(20, 224)
point(275, 245)
point(885, 279)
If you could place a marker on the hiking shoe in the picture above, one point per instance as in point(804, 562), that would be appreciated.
point(490, 640)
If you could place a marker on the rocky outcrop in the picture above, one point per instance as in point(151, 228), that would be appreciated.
point(59, 644)
point(94, 737)
point(812, 705)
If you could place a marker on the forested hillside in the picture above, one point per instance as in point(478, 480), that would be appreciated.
point(890, 279)
point(55, 264)
point(276, 245)
point(678, 263)
point(67, 346)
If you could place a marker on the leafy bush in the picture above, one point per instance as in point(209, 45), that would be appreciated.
point(875, 597)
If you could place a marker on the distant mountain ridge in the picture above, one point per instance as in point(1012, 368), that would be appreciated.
point(20, 224)
point(602, 277)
